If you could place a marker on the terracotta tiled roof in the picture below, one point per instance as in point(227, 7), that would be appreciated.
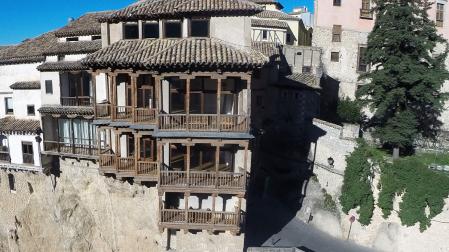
point(26, 85)
point(174, 53)
point(66, 110)
point(301, 80)
point(29, 51)
point(269, 49)
point(275, 14)
point(85, 25)
point(11, 125)
point(269, 23)
point(62, 66)
point(77, 47)
point(269, 2)
point(153, 9)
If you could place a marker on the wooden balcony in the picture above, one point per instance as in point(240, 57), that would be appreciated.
point(366, 14)
point(200, 220)
point(4, 156)
point(126, 167)
point(87, 150)
point(126, 114)
point(201, 181)
point(76, 101)
point(203, 122)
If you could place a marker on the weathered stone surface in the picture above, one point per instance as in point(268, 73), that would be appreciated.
point(89, 212)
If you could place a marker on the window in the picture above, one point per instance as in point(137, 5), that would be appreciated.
point(336, 33)
point(9, 106)
point(440, 15)
point(289, 37)
point(337, 2)
point(12, 182)
point(96, 37)
point(30, 110)
point(335, 56)
point(365, 11)
point(151, 30)
point(27, 152)
point(264, 35)
point(173, 29)
point(199, 28)
point(61, 57)
point(49, 87)
point(362, 65)
point(72, 39)
point(131, 31)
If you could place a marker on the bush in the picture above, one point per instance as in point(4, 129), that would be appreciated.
point(356, 190)
point(419, 186)
point(349, 111)
point(328, 202)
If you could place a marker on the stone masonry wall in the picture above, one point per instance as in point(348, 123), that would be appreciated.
point(89, 212)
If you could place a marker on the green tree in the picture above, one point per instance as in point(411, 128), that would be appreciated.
point(404, 85)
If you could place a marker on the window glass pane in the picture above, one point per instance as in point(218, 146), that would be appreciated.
point(151, 30)
point(173, 29)
point(199, 28)
point(131, 31)
point(48, 87)
point(30, 110)
point(9, 105)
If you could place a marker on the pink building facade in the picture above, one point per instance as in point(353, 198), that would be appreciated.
point(341, 29)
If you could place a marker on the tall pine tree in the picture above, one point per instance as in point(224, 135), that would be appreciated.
point(407, 56)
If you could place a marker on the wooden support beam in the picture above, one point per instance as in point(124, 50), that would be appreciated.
point(186, 209)
point(219, 103)
point(188, 164)
point(94, 92)
point(137, 138)
point(133, 78)
point(217, 164)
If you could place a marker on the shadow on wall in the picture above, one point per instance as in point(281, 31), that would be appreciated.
point(281, 173)
point(329, 99)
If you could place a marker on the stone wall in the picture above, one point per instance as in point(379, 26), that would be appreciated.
point(89, 212)
point(330, 142)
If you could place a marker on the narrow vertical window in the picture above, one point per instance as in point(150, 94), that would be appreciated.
point(337, 2)
point(365, 11)
point(336, 33)
point(440, 15)
point(49, 87)
point(9, 110)
point(30, 110)
point(362, 65)
point(264, 35)
point(12, 183)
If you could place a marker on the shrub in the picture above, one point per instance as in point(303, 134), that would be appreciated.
point(328, 202)
point(349, 111)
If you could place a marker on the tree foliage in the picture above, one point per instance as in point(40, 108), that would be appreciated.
point(404, 85)
point(356, 190)
point(349, 111)
point(419, 187)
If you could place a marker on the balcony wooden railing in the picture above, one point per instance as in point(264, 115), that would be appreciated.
point(107, 161)
point(200, 219)
point(123, 113)
point(76, 101)
point(103, 111)
point(147, 168)
point(210, 122)
point(366, 14)
point(28, 158)
point(126, 164)
point(126, 113)
point(201, 179)
point(4, 156)
point(77, 147)
point(145, 115)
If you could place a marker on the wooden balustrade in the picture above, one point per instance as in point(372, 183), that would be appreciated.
point(125, 164)
point(200, 179)
point(103, 111)
point(145, 115)
point(79, 147)
point(76, 101)
point(123, 113)
point(4, 156)
point(147, 168)
point(107, 160)
point(207, 219)
point(212, 122)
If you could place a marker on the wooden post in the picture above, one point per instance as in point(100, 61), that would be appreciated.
point(99, 142)
point(219, 104)
point(73, 136)
point(137, 138)
point(217, 164)
point(94, 92)
point(113, 94)
point(57, 133)
point(160, 161)
point(239, 207)
point(186, 209)
point(157, 96)
point(188, 103)
point(248, 98)
point(188, 164)
point(214, 199)
point(134, 95)
point(245, 164)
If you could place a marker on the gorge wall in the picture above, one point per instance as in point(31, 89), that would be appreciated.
point(89, 212)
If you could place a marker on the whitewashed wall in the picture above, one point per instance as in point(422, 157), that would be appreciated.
point(22, 98)
point(54, 98)
point(15, 147)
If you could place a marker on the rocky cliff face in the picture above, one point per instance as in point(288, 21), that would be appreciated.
point(87, 212)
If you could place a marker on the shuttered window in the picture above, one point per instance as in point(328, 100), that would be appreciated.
point(336, 33)
point(362, 65)
point(440, 15)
